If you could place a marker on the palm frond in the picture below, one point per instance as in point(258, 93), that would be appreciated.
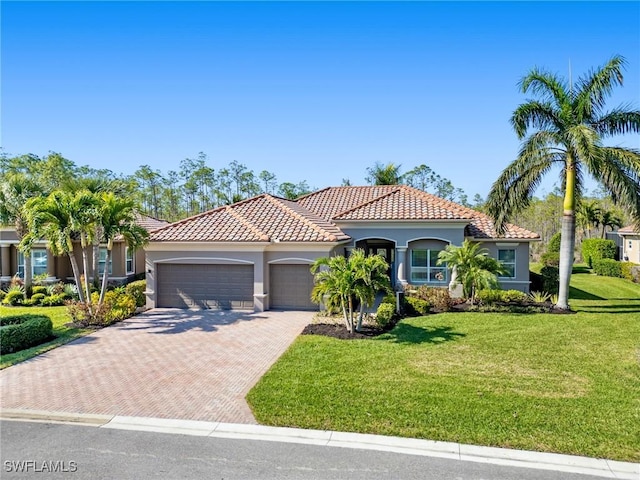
point(534, 114)
point(618, 121)
point(548, 85)
point(620, 174)
point(593, 89)
point(513, 189)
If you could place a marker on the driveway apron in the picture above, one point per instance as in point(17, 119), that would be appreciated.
point(165, 363)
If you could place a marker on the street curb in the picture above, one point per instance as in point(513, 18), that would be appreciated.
point(410, 446)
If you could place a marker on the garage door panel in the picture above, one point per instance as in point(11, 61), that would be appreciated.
point(205, 286)
point(290, 287)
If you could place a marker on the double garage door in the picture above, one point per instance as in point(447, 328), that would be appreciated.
point(205, 286)
point(231, 286)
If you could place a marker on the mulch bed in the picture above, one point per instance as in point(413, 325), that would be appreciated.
point(338, 330)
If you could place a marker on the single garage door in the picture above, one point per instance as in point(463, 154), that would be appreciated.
point(205, 286)
point(291, 287)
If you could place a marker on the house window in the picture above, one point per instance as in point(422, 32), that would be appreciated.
point(103, 260)
point(507, 257)
point(424, 267)
point(130, 260)
point(38, 262)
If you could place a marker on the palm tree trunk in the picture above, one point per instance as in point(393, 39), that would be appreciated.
point(360, 317)
point(105, 277)
point(28, 272)
point(85, 266)
point(567, 237)
point(76, 275)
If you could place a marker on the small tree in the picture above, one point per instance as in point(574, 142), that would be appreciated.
point(475, 269)
point(341, 282)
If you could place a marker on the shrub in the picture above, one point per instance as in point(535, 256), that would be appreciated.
point(513, 296)
point(39, 289)
point(120, 305)
point(539, 297)
point(13, 297)
point(607, 267)
point(554, 244)
point(37, 298)
point(2, 295)
point(596, 249)
point(24, 331)
point(55, 289)
point(70, 291)
point(416, 306)
point(438, 298)
point(630, 271)
point(550, 279)
point(136, 290)
point(53, 300)
point(550, 258)
point(385, 314)
point(489, 296)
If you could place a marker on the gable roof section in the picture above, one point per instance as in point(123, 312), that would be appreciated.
point(401, 202)
point(629, 229)
point(149, 223)
point(259, 219)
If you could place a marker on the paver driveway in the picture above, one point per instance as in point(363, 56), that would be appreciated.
point(167, 363)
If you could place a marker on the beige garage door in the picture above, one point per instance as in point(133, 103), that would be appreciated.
point(205, 286)
point(291, 287)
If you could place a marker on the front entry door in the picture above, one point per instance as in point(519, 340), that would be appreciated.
point(387, 251)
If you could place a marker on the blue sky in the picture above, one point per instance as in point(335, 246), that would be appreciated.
point(310, 91)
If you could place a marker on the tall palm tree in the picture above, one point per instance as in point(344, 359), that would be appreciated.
point(117, 218)
point(15, 190)
point(475, 269)
point(567, 126)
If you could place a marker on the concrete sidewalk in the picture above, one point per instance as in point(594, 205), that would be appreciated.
point(498, 456)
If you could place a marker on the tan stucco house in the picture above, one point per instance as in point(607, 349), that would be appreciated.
point(630, 251)
point(256, 254)
point(125, 263)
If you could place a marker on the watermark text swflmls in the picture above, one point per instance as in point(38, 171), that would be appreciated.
point(40, 466)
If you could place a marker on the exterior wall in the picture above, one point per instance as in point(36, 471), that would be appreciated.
point(631, 248)
point(521, 281)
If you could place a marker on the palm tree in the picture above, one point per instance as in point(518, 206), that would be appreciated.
point(370, 278)
point(15, 190)
point(384, 174)
point(587, 215)
point(117, 218)
point(475, 269)
point(569, 124)
point(334, 286)
point(52, 218)
point(608, 218)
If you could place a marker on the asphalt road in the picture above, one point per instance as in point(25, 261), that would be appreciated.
point(49, 450)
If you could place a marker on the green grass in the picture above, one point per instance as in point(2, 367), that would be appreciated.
point(63, 334)
point(554, 383)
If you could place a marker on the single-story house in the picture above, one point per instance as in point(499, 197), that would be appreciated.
point(630, 244)
point(125, 263)
point(256, 254)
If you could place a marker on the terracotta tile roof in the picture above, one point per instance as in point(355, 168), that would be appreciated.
point(150, 223)
point(629, 229)
point(401, 202)
point(259, 219)
point(316, 217)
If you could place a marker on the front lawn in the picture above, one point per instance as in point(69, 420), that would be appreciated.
point(555, 383)
point(59, 317)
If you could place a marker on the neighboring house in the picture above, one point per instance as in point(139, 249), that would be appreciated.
point(256, 254)
point(630, 244)
point(125, 263)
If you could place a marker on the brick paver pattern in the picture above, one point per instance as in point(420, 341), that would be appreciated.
point(165, 363)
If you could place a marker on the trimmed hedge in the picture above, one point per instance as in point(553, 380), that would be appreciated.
point(416, 306)
point(23, 331)
point(554, 244)
point(385, 314)
point(490, 297)
point(607, 267)
point(597, 249)
point(550, 279)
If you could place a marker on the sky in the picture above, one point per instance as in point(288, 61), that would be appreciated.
point(315, 91)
